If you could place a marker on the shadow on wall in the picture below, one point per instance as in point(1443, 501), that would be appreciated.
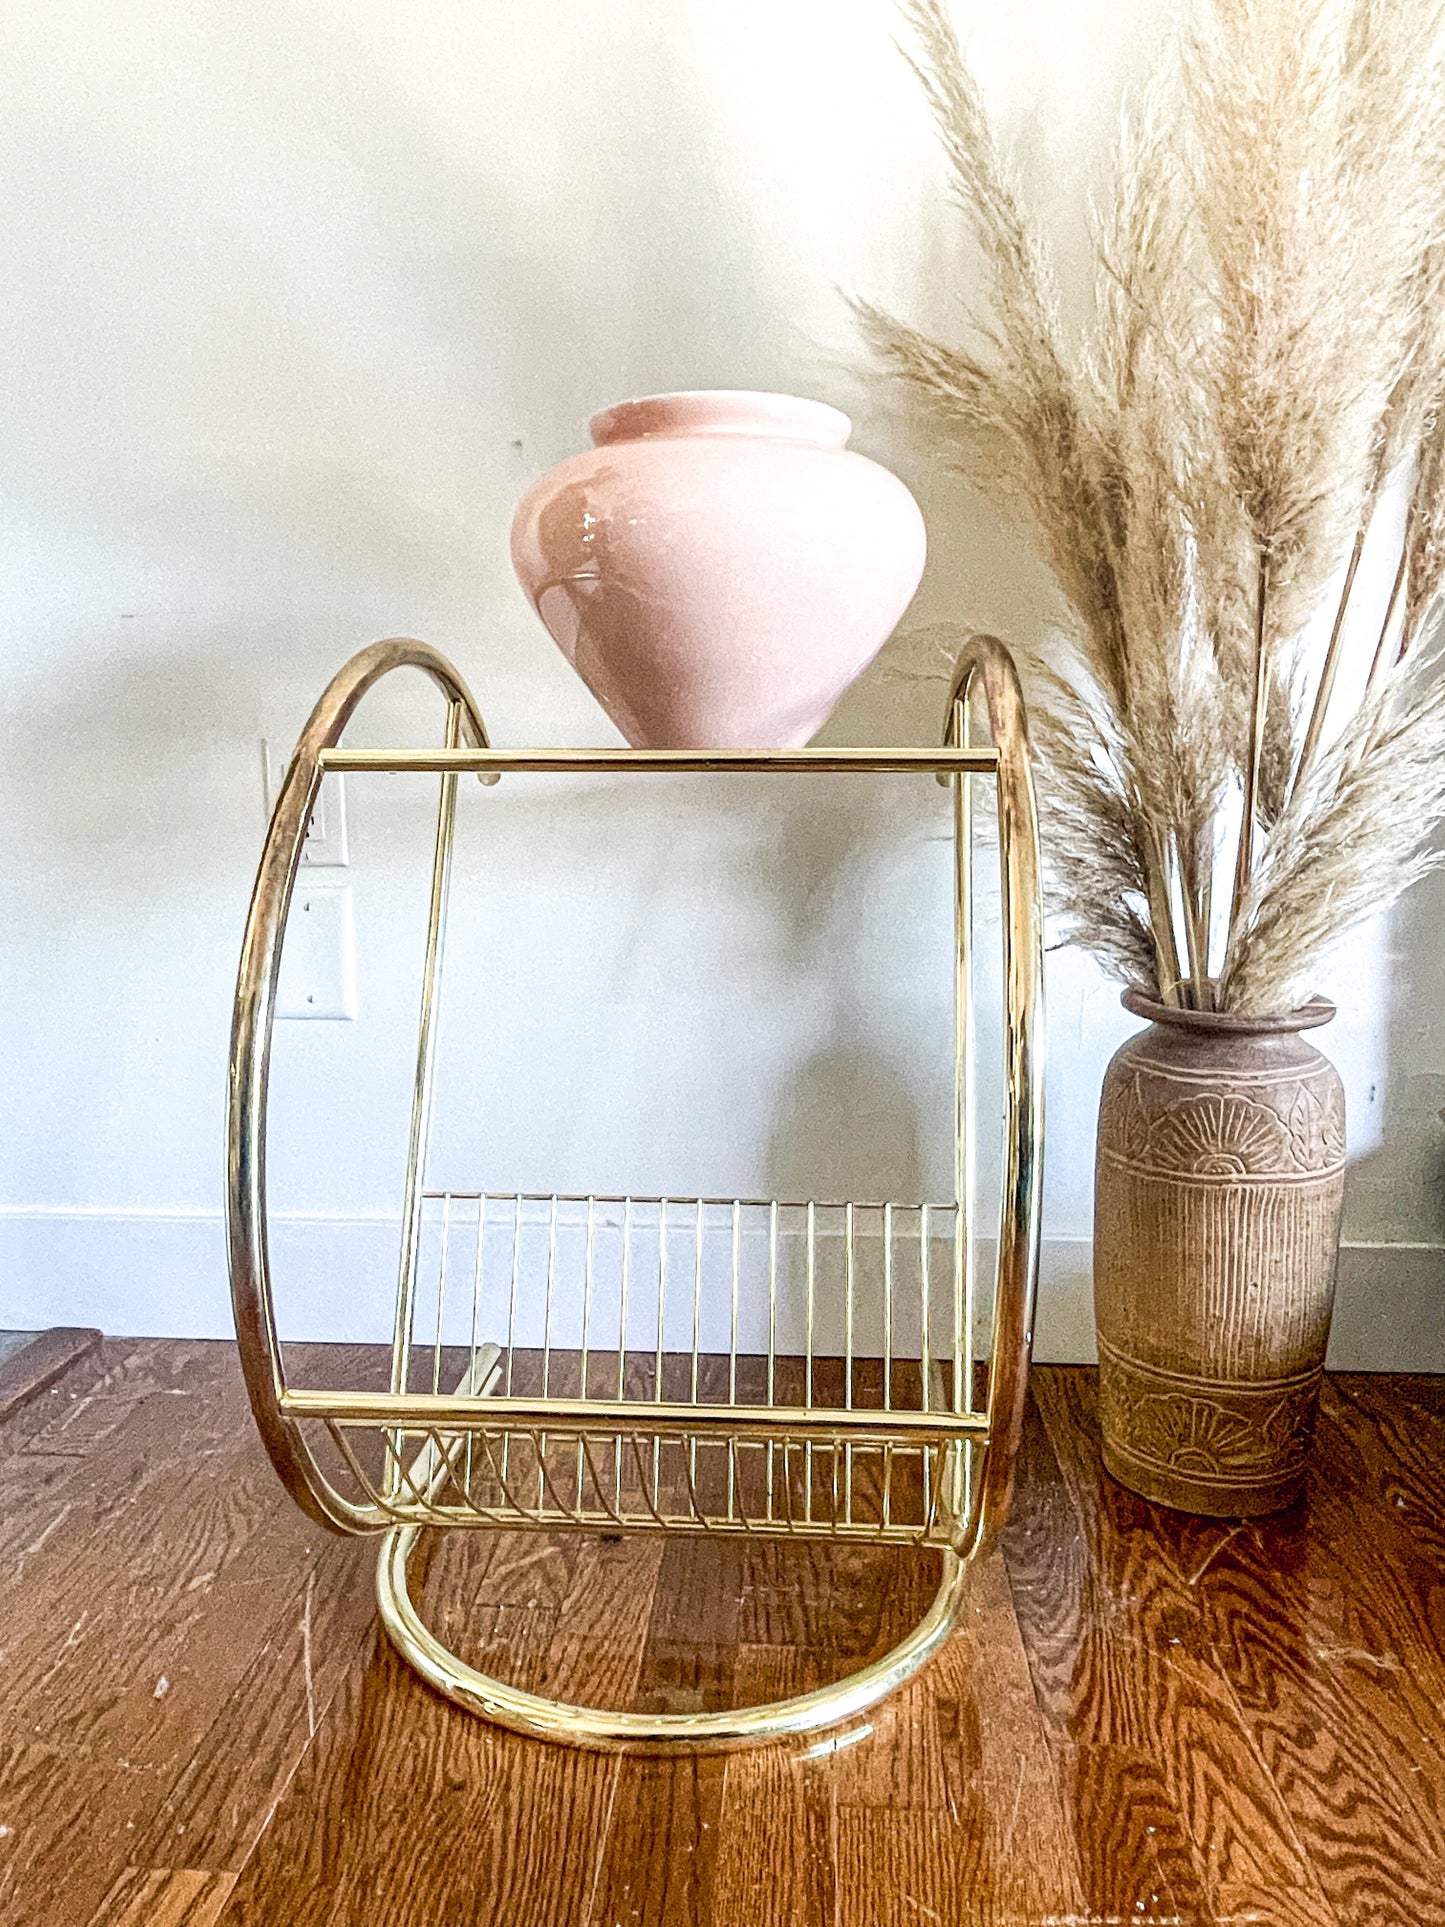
point(1395, 1190)
point(849, 1126)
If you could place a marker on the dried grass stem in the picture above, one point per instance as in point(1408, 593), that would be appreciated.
point(1267, 357)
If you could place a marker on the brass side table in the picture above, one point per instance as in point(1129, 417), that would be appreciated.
point(866, 1427)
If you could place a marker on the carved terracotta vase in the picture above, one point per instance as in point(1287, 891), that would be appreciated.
point(720, 566)
point(1216, 1232)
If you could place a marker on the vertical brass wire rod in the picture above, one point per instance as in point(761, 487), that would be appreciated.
point(812, 1288)
point(658, 1361)
point(697, 1231)
point(424, 1084)
point(442, 1263)
point(622, 1344)
point(965, 1131)
point(478, 1272)
point(773, 1344)
point(965, 1179)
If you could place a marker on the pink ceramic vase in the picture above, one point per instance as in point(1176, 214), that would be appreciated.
point(719, 567)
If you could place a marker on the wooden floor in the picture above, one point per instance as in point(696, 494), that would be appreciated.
point(1142, 1719)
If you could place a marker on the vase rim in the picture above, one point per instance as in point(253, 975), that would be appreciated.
point(722, 411)
point(1319, 1010)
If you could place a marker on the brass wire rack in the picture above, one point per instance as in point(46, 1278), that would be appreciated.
point(614, 1363)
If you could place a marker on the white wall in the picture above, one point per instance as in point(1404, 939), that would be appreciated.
point(298, 297)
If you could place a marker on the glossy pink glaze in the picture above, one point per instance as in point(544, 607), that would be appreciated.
point(720, 567)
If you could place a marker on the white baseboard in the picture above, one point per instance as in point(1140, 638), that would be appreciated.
point(1389, 1307)
point(163, 1273)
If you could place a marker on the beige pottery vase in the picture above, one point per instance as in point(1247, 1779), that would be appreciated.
point(1220, 1172)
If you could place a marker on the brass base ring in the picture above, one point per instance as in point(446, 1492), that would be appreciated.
point(602, 1730)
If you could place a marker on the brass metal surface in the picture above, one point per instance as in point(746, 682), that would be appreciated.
point(854, 1418)
point(571, 762)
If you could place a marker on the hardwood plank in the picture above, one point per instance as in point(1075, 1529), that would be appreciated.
point(996, 1755)
point(899, 1876)
point(941, 1806)
point(403, 1776)
point(187, 1897)
point(80, 1413)
point(33, 1505)
point(38, 1365)
point(1142, 1717)
point(1330, 1651)
point(1146, 1678)
point(706, 1599)
point(777, 1853)
point(841, 1602)
point(295, 1865)
point(595, 1653)
point(162, 1521)
point(495, 1598)
point(1130, 1837)
point(1127, 1831)
point(40, 1412)
point(884, 1822)
point(218, 1806)
point(408, 1810)
point(1397, 1434)
point(659, 1863)
point(561, 1614)
point(66, 1823)
point(689, 1660)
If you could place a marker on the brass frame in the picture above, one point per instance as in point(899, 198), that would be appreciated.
point(966, 1454)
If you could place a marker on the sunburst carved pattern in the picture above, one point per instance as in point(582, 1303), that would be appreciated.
point(1215, 1433)
point(1225, 1134)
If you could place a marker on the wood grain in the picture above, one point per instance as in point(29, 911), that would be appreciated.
point(1145, 1679)
point(1323, 1628)
point(38, 1365)
point(1142, 1717)
point(188, 1897)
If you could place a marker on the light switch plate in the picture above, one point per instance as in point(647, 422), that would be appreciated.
point(325, 845)
point(318, 964)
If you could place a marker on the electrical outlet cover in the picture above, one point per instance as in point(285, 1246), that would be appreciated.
point(318, 963)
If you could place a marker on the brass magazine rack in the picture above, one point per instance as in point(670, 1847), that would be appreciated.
point(848, 1403)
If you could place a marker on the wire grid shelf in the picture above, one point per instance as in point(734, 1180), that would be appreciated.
point(726, 1365)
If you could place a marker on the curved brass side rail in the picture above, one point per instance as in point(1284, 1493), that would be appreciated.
point(605, 1731)
point(985, 668)
point(246, 1241)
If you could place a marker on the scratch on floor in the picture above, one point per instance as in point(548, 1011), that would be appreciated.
point(36, 1543)
point(919, 1908)
point(71, 1638)
point(306, 1655)
point(1385, 1662)
point(1013, 1819)
point(1212, 1554)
